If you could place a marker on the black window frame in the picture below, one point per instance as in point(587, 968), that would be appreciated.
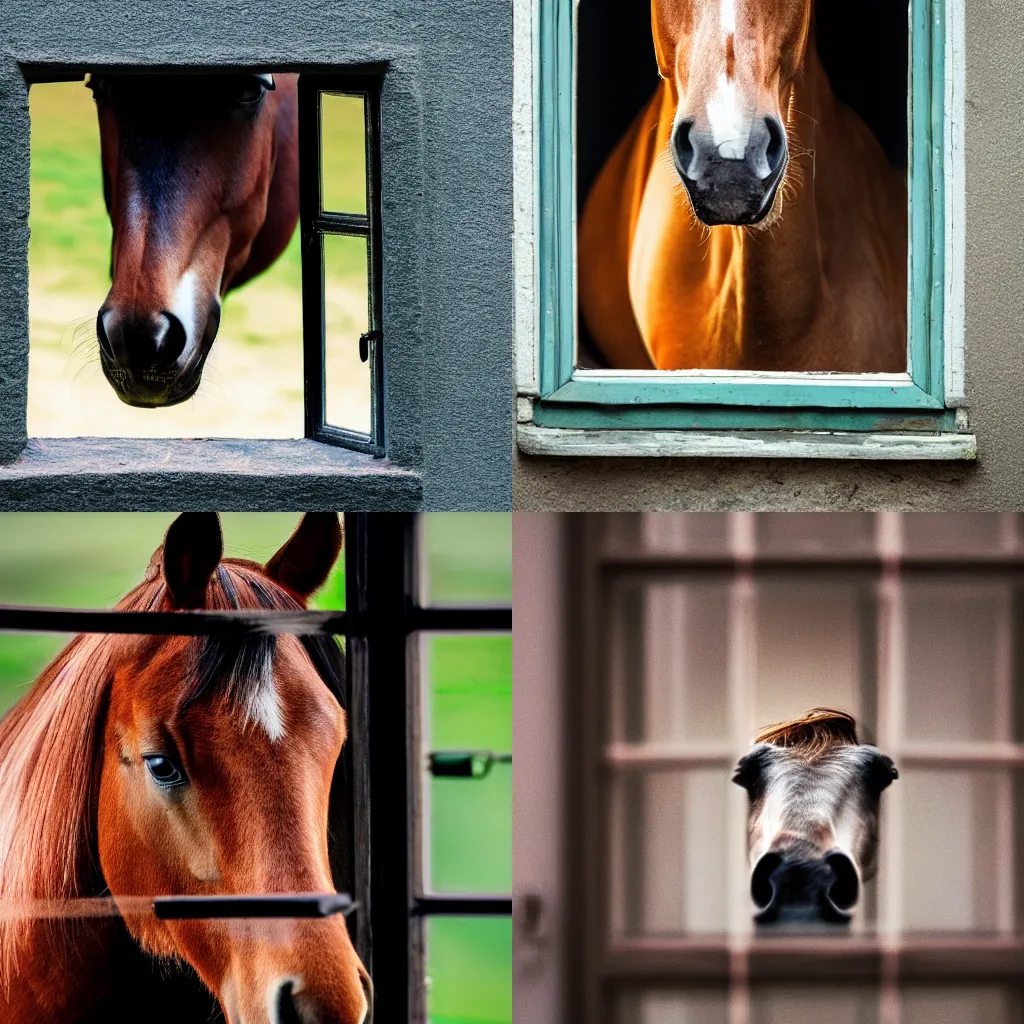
point(314, 224)
point(375, 857)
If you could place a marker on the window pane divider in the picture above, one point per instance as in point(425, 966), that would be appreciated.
point(342, 223)
point(806, 958)
point(979, 754)
point(667, 755)
point(461, 906)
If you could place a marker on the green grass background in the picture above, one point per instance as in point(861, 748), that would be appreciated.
point(70, 237)
point(92, 559)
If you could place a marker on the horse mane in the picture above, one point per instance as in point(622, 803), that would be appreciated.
point(814, 733)
point(51, 741)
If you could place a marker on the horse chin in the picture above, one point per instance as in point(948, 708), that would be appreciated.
point(737, 207)
point(148, 394)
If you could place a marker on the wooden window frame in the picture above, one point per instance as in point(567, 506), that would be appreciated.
point(920, 414)
point(602, 965)
point(375, 822)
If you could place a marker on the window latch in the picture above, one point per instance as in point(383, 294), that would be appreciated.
point(464, 764)
point(364, 343)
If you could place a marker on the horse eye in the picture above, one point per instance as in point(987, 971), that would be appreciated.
point(164, 771)
point(249, 94)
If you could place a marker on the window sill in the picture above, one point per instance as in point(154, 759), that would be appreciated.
point(761, 444)
point(111, 474)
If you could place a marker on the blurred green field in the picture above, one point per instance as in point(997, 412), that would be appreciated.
point(253, 384)
point(92, 559)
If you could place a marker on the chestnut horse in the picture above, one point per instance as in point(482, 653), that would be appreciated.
point(748, 220)
point(813, 823)
point(148, 765)
point(201, 181)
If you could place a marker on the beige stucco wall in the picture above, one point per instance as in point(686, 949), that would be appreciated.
point(994, 318)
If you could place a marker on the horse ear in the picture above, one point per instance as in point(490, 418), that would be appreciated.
point(192, 551)
point(880, 773)
point(749, 771)
point(305, 561)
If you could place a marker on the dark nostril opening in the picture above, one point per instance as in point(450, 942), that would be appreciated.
point(364, 980)
point(845, 887)
point(682, 147)
point(101, 337)
point(287, 1011)
point(762, 891)
point(174, 340)
point(776, 150)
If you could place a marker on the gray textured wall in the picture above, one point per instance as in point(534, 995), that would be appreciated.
point(446, 194)
point(995, 352)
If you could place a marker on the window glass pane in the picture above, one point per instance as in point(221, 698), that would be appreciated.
point(346, 296)
point(957, 837)
point(957, 533)
point(669, 662)
point(812, 1005)
point(467, 558)
point(469, 970)
point(957, 661)
point(693, 1007)
point(669, 864)
point(252, 383)
point(343, 153)
point(944, 1005)
point(815, 645)
point(826, 533)
point(468, 821)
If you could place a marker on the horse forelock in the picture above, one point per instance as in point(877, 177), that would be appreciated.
point(51, 741)
point(813, 734)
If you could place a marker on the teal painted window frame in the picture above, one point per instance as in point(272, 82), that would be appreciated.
point(913, 401)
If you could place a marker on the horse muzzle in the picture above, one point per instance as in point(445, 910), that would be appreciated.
point(150, 361)
point(734, 184)
point(804, 893)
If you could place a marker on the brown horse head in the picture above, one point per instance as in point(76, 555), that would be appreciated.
point(195, 766)
point(732, 64)
point(200, 177)
point(813, 824)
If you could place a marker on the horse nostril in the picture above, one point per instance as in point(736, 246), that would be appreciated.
point(845, 887)
point(683, 152)
point(287, 1011)
point(364, 980)
point(762, 889)
point(173, 344)
point(776, 151)
point(101, 336)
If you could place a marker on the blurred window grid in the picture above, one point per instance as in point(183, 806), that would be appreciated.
point(714, 625)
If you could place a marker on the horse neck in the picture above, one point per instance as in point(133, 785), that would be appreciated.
point(781, 264)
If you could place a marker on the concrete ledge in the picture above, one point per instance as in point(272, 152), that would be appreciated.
point(135, 475)
point(756, 444)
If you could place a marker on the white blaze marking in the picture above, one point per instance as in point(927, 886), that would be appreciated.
point(183, 305)
point(727, 12)
point(730, 124)
point(263, 703)
point(264, 708)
